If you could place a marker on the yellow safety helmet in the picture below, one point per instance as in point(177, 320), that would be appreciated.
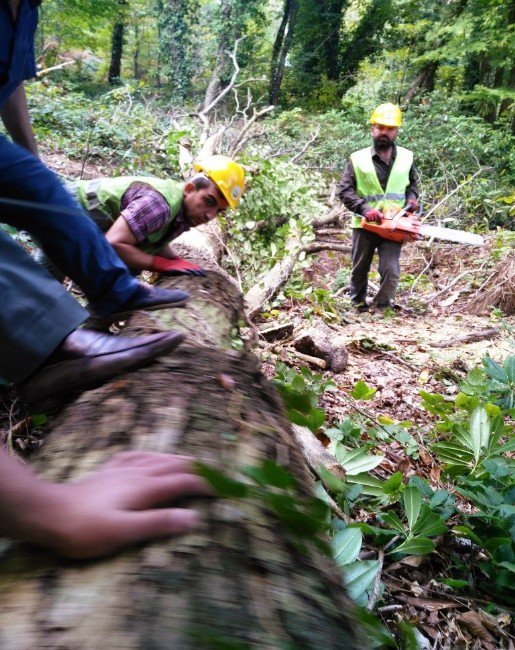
point(226, 174)
point(387, 115)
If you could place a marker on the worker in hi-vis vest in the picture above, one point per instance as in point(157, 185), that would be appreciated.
point(377, 178)
point(141, 215)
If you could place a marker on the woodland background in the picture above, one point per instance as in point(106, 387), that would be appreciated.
point(421, 421)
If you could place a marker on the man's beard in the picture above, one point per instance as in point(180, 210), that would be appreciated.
point(382, 143)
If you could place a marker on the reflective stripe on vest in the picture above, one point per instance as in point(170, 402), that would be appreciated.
point(368, 186)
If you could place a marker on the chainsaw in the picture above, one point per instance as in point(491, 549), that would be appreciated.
point(402, 226)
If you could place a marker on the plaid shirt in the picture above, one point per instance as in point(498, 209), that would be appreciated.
point(145, 210)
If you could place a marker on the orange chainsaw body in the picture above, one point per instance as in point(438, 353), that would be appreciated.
point(396, 225)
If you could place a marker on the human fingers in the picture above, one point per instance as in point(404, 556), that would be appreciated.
point(153, 491)
point(124, 528)
point(150, 524)
point(150, 459)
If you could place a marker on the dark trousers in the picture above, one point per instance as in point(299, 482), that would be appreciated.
point(36, 312)
point(364, 245)
point(69, 238)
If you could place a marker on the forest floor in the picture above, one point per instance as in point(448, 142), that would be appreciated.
point(395, 353)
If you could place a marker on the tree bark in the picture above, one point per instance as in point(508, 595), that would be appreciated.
point(281, 48)
point(115, 65)
point(332, 43)
point(240, 581)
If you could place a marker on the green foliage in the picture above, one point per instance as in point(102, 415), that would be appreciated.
point(281, 198)
point(422, 523)
point(492, 527)
point(115, 126)
point(300, 392)
point(175, 46)
point(362, 391)
point(474, 426)
point(270, 484)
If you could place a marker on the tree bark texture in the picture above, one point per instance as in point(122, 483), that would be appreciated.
point(280, 50)
point(115, 65)
point(239, 581)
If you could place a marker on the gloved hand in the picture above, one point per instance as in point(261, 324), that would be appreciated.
point(411, 205)
point(177, 265)
point(373, 215)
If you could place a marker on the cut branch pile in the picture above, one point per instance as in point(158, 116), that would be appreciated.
point(498, 290)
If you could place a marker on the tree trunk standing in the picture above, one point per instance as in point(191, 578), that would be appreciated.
point(215, 83)
point(238, 582)
point(332, 42)
point(281, 48)
point(115, 66)
point(135, 57)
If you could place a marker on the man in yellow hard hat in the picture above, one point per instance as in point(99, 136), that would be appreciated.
point(140, 215)
point(377, 178)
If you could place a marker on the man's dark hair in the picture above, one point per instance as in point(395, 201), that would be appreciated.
point(200, 181)
point(35, 3)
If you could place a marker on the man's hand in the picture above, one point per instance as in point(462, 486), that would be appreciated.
point(373, 215)
point(411, 206)
point(177, 265)
point(116, 505)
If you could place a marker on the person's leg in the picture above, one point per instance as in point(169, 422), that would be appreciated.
point(98, 217)
point(36, 312)
point(69, 238)
point(363, 246)
point(389, 270)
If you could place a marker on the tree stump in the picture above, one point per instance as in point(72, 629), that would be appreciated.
point(238, 581)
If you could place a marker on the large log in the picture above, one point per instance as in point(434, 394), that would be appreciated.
point(240, 581)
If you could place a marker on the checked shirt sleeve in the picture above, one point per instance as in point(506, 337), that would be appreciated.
point(144, 209)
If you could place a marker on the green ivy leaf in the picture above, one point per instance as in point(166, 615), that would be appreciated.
point(429, 523)
point(369, 484)
point(479, 431)
point(392, 520)
point(392, 485)
point(356, 461)
point(346, 545)
point(416, 546)
point(362, 391)
point(222, 485)
point(412, 502)
point(359, 578)
point(495, 371)
point(509, 367)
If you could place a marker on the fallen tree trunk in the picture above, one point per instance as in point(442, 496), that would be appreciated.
point(241, 580)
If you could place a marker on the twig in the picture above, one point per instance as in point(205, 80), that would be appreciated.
point(451, 284)
point(10, 436)
point(44, 71)
point(313, 137)
point(238, 144)
point(426, 267)
point(448, 196)
point(331, 231)
point(316, 247)
point(390, 608)
point(313, 361)
point(398, 359)
point(468, 338)
point(230, 254)
point(377, 583)
point(228, 88)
